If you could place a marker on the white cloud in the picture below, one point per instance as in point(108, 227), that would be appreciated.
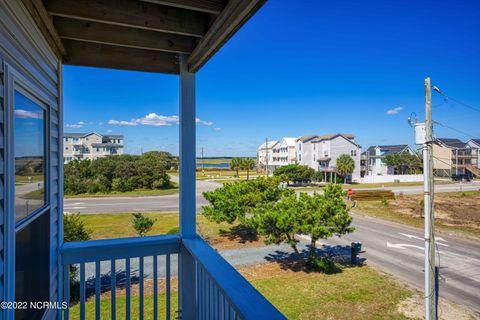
point(25, 114)
point(217, 129)
point(79, 124)
point(394, 111)
point(153, 119)
point(109, 131)
point(205, 123)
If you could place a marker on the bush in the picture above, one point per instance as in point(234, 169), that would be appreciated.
point(74, 230)
point(321, 264)
point(119, 173)
point(295, 173)
point(142, 224)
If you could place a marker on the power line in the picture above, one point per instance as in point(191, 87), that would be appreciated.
point(456, 130)
point(455, 100)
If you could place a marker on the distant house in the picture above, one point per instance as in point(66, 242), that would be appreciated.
point(373, 159)
point(475, 145)
point(453, 156)
point(305, 155)
point(284, 152)
point(327, 148)
point(264, 155)
point(79, 146)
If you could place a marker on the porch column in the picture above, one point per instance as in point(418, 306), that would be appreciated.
point(187, 299)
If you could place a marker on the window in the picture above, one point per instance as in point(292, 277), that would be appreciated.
point(29, 149)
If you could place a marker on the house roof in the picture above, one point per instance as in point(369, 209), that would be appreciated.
point(141, 35)
point(330, 136)
point(270, 144)
point(84, 134)
point(289, 141)
point(387, 149)
point(98, 145)
point(452, 143)
point(307, 138)
point(476, 141)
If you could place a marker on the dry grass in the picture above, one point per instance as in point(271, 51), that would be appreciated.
point(456, 212)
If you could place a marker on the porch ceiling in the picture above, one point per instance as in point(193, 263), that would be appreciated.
point(142, 35)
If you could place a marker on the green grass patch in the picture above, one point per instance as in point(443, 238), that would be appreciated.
point(24, 179)
point(355, 293)
point(34, 195)
point(119, 225)
point(134, 193)
point(105, 307)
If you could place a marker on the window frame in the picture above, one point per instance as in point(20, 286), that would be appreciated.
point(23, 87)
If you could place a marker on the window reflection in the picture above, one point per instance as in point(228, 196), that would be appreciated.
point(29, 156)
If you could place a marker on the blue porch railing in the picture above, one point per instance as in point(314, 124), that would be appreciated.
point(107, 266)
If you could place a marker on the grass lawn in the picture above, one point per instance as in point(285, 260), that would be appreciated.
point(114, 225)
point(34, 195)
point(398, 211)
point(213, 161)
point(24, 179)
point(355, 293)
point(134, 193)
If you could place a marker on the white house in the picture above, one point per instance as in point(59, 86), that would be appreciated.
point(475, 144)
point(37, 38)
point(284, 152)
point(79, 146)
point(305, 154)
point(265, 155)
point(327, 148)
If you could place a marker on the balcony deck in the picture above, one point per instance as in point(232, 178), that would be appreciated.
point(116, 264)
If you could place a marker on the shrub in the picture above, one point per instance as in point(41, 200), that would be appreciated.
point(74, 230)
point(321, 264)
point(141, 223)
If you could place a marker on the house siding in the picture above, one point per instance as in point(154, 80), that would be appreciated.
point(338, 146)
point(26, 55)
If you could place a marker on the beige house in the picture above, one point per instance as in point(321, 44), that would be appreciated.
point(264, 156)
point(453, 156)
point(79, 146)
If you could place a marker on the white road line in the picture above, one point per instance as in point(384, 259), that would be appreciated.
point(411, 236)
point(403, 246)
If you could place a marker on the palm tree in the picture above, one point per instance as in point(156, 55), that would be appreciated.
point(236, 165)
point(248, 164)
point(345, 166)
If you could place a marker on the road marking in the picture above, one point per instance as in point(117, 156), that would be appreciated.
point(403, 246)
point(75, 208)
point(73, 204)
point(411, 236)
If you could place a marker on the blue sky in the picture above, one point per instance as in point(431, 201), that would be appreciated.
point(315, 67)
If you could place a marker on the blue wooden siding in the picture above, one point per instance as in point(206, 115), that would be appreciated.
point(26, 52)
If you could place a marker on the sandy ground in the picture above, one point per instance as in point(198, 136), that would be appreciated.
point(449, 209)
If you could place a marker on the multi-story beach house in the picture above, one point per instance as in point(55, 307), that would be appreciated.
point(305, 154)
point(452, 156)
point(80, 146)
point(284, 152)
point(475, 145)
point(327, 148)
point(265, 156)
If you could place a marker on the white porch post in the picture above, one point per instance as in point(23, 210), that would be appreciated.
point(187, 299)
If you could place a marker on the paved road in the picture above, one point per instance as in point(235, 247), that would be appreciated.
point(170, 203)
point(398, 249)
point(167, 203)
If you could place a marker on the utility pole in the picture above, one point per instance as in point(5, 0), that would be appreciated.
point(266, 155)
point(430, 292)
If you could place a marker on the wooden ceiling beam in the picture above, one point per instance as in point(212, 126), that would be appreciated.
point(235, 14)
point(132, 13)
point(122, 36)
point(44, 22)
point(114, 57)
point(208, 6)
